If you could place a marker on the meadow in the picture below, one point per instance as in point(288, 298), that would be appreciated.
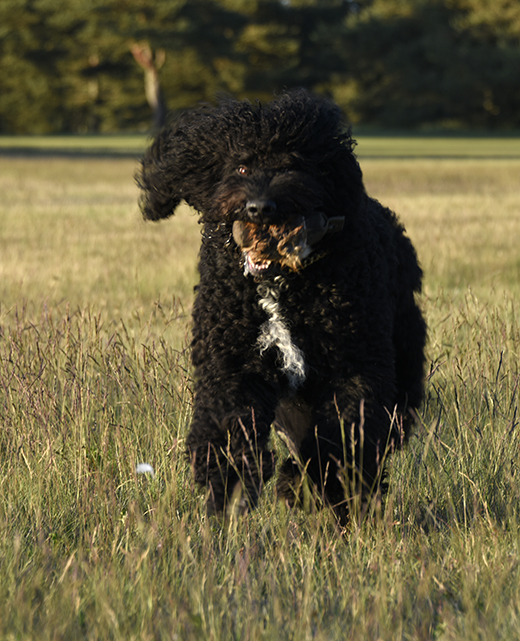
point(95, 378)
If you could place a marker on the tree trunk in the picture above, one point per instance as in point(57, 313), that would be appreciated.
point(143, 55)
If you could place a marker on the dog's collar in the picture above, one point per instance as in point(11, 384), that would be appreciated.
point(332, 225)
point(314, 257)
point(327, 227)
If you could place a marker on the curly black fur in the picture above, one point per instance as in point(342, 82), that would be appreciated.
point(350, 312)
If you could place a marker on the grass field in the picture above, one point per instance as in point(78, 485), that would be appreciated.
point(95, 378)
point(369, 145)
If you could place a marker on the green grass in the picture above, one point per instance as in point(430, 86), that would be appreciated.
point(369, 145)
point(77, 144)
point(437, 146)
point(95, 378)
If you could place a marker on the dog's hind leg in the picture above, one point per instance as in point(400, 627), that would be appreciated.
point(409, 336)
point(337, 452)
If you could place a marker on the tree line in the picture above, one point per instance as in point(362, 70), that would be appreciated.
point(121, 65)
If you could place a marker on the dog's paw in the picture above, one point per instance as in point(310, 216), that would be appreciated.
point(290, 484)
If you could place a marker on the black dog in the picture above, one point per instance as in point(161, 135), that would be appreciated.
point(305, 316)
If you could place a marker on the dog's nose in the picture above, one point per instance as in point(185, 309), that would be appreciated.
point(260, 209)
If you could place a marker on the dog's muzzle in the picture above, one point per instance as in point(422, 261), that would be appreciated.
point(287, 245)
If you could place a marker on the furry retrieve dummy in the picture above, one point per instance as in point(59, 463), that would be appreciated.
point(305, 316)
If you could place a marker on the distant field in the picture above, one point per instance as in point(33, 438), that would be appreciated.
point(437, 147)
point(133, 144)
point(95, 378)
point(368, 145)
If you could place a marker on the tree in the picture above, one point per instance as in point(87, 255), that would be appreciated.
point(29, 88)
point(297, 43)
point(439, 62)
point(77, 65)
point(151, 65)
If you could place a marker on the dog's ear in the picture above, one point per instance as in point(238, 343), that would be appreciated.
point(160, 193)
point(181, 164)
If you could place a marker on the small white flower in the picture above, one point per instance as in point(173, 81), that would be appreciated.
point(145, 468)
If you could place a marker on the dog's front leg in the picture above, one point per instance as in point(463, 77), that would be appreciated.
point(228, 442)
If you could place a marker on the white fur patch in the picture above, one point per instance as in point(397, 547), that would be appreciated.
point(274, 333)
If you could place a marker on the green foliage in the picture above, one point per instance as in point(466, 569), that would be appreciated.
point(66, 66)
point(68, 69)
point(445, 62)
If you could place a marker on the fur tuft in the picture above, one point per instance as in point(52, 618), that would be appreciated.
point(274, 333)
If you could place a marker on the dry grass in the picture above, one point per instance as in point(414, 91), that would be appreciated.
point(463, 216)
point(94, 378)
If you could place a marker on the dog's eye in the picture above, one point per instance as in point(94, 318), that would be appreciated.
point(243, 170)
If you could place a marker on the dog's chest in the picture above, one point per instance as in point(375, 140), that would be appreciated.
point(275, 332)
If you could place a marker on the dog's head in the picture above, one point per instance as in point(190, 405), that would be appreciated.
point(280, 179)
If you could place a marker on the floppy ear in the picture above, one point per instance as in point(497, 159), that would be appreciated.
point(161, 193)
point(181, 164)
